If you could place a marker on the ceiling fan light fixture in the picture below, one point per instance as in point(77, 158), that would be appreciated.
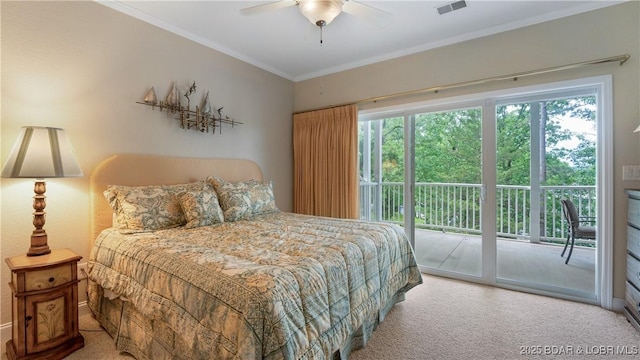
point(320, 12)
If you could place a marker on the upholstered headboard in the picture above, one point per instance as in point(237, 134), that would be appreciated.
point(136, 170)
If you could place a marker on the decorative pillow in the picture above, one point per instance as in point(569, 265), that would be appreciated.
point(242, 200)
point(222, 184)
point(149, 208)
point(262, 199)
point(201, 208)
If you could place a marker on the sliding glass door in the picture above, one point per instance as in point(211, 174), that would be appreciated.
point(423, 171)
point(447, 159)
point(546, 154)
point(477, 182)
point(381, 162)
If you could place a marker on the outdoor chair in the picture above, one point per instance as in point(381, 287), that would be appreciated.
point(575, 227)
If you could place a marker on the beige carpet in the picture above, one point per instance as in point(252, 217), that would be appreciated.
point(449, 319)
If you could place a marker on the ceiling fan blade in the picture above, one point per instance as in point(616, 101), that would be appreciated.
point(366, 12)
point(268, 7)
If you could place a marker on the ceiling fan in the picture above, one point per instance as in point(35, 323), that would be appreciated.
point(322, 12)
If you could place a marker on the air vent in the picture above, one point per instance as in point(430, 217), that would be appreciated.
point(456, 5)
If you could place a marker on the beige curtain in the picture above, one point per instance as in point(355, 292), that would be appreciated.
point(325, 162)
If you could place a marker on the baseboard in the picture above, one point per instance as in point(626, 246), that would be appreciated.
point(618, 305)
point(83, 309)
point(5, 335)
point(5, 329)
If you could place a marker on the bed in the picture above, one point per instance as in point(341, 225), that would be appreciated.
point(238, 284)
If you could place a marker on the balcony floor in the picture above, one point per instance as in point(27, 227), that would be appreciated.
point(518, 260)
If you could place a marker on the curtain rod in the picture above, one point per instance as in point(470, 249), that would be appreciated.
point(435, 89)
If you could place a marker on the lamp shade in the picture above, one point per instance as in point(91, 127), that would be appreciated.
point(320, 12)
point(41, 152)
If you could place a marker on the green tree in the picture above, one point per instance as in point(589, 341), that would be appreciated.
point(448, 145)
point(393, 150)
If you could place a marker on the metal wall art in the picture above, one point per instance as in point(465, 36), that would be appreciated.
point(203, 118)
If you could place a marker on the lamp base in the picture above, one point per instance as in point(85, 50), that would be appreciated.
point(39, 235)
point(39, 244)
point(38, 250)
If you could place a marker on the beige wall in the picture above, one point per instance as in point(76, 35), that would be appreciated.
point(603, 33)
point(82, 66)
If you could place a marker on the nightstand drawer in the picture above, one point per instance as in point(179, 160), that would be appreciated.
point(48, 278)
point(633, 299)
point(633, 212)
point(633, 271)
point(633, 240)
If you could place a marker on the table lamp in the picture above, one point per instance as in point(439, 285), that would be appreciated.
point(41, 152)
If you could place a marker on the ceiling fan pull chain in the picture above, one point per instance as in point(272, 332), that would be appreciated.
point(320, 35)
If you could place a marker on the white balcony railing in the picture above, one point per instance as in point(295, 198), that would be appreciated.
point(456, 208)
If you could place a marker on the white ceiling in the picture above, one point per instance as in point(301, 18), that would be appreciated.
point(285, 43)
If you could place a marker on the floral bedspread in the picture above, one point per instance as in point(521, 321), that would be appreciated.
point(278, 286)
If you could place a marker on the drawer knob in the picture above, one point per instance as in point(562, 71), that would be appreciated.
point(28, 318)
point(51, 279)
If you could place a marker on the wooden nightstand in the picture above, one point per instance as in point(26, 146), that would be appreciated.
point(44, 306)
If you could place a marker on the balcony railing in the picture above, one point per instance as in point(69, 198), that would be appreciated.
point(456, 208)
